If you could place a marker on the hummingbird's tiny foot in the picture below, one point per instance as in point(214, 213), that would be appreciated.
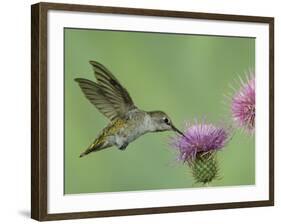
point(123, 147)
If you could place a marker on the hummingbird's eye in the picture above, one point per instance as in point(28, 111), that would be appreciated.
point(166, 120)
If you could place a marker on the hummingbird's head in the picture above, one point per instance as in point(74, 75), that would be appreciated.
point(162, 122)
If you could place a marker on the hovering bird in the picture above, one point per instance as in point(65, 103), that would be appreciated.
point(127, 122)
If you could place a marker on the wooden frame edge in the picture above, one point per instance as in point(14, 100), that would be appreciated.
point(155, 210)
point(154, 12)
point(271, 110)
point(38, 112)
point(35, 191)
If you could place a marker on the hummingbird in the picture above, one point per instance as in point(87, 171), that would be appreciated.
point(127, 121)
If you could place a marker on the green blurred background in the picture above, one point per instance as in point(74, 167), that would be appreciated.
point(186, 76)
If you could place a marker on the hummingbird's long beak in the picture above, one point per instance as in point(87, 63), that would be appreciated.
point(177, 130)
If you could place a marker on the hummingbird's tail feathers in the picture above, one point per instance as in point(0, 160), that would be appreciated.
point(89, 150)
point(84, 153)
point(97, 145)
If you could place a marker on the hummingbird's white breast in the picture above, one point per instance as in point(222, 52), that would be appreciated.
point(138, 124)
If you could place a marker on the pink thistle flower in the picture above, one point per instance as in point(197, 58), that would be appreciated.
point(243, 105)
point(201, 138)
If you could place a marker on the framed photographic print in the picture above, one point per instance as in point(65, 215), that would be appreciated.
point(140, 111)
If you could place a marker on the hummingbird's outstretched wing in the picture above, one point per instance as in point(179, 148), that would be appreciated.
point(108, 95)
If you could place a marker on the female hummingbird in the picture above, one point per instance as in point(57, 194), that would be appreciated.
point(127, 122)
